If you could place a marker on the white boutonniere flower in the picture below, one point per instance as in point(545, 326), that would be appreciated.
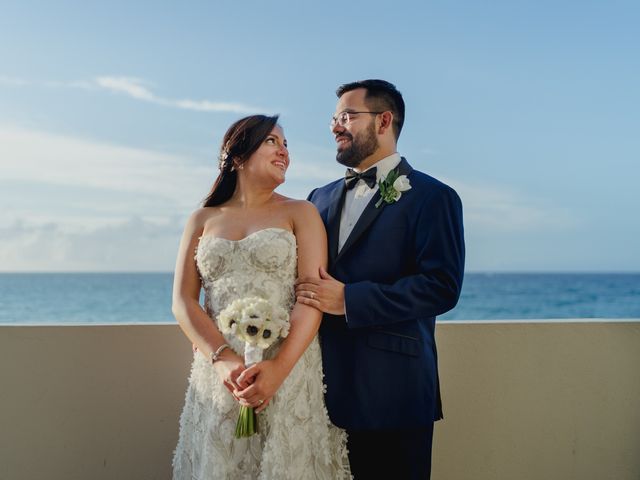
point(392, 186)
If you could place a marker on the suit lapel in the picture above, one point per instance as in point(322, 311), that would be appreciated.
point(369, 214)
point(333, 220)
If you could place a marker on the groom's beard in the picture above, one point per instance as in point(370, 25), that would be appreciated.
point(361, 146)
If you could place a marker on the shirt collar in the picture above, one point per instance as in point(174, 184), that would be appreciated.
point(385, 165)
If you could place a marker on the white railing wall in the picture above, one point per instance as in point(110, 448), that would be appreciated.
point(522, 401)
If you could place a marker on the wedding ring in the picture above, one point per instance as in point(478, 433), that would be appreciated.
point(313, 295)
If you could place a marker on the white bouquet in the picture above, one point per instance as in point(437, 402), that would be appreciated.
point(259, 324)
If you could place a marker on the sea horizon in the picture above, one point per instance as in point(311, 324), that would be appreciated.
point(108, 298)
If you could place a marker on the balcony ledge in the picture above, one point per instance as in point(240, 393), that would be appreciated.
point(532, 399)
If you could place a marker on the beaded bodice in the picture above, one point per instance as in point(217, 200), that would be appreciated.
point(263, 264)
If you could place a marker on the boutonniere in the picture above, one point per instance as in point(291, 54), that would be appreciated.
point(392, 186)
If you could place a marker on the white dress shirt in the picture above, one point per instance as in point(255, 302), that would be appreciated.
point(358, 197)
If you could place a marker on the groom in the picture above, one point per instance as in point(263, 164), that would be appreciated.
point(396, 260)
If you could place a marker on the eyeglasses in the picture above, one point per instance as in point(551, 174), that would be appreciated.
point(344, 118)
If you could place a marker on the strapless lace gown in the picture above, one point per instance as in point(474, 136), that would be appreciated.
point(296, 439)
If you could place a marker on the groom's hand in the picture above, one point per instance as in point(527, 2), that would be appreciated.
point(326, 293)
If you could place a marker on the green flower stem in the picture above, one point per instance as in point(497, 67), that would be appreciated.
point(247, 424)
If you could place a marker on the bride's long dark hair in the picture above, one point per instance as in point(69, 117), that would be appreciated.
point(242, 139)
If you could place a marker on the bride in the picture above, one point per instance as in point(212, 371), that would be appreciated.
point(248, 241)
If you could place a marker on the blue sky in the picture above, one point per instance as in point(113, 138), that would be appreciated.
point(111, 116)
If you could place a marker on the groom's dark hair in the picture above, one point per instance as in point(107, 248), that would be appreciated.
point(380, 96)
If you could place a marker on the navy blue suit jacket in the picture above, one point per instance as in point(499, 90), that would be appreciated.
point(402, 265)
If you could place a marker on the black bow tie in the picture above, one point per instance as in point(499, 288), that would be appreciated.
point(352, 177)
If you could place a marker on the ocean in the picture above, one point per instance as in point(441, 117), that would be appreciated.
point(112, 298)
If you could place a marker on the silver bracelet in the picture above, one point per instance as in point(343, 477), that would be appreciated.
point(216, 355)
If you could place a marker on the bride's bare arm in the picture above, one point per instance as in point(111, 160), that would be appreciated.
point(305, 320)
point(312, 254)
point(193, 320)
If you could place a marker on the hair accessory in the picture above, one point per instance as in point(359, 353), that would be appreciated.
point(224, 155)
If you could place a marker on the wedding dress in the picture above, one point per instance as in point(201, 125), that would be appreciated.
point(296, 439)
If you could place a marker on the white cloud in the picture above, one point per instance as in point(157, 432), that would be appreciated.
point(136, 88)
point(80, 205)
point(73, 204)
point(33, 156)
point(129, 86)
point(133, 245)
point(208, 106)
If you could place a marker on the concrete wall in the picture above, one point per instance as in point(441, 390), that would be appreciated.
point(533, 401)
point(522, 401)
point(90, 403)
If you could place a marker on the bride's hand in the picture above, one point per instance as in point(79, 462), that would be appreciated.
point(229, 366)
point(259, 384)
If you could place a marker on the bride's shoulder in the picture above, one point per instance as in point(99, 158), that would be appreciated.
point(200, 217)
point(299, 207)
point(303, 215)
